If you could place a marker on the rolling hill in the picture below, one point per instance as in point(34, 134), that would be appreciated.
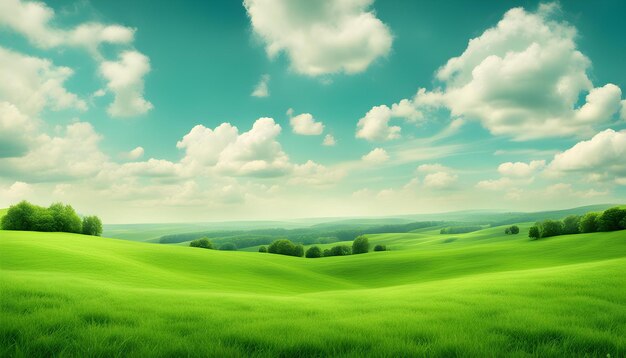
point(477, 294)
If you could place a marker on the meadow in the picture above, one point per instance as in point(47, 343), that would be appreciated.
point(477, 294)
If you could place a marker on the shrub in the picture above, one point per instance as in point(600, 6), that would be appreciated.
point(92, 226)
point(550, 228)
point(622, 223)
point(340, 250)
point(588, 223)
point(380, 247)
point(507, 231)
point(514, 230)
point(262, 249)
point(28, 217)
point(571, 225)
point(285, 247)
point(313, 252)
point(534, 233)
point(229, 246)
point(326, 253)
point(202, 243)
point(65, 218)
point(360, 245)
point(610, 219)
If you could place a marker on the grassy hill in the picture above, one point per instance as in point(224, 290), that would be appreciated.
point(475, 294)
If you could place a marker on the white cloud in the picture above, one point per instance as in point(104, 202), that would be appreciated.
point(520, 169)
point(623, 111)
point(125, 80)
point(311, 173)
point(405, 109)
point(603, 155)
point(16, 192)
point(252, 153)
point(305, 124)
point(523, 79)
point(430, 168)
point(32, 84)
point(375, 125)
point(320, 37)
point(262, 90)
point(135, 153)
point(496, 184)
point(33, 20)
point(440, 180)
point(16, 131)
point(378, 155)
point(329, 140)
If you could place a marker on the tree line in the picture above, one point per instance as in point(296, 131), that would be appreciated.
point(612, 219)
point(360, 245)
point(57, 217)
point(205, 243)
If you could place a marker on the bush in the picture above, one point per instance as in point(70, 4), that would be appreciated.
point(360, 245)
point(610, 220)
point(459, 229)
point(339, 250)
point(58, 217)
point(622, 223)
point(588, 223)
point(229, 246)
point(326, 253)
point(202, 243)
point(313, 252)
point(262, 249)
point(92, 226)
point(513, 230)
point(534, 233)
point(550, 228)
point(380, 248)
point(285, 247)
point(571, 225)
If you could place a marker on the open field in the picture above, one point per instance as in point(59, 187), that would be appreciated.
point(476, 294)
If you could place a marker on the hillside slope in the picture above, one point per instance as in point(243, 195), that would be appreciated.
point(482, 294)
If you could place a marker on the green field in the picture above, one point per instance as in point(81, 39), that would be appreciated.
point(477, 294)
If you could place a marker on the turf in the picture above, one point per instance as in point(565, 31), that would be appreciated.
point(476, 294)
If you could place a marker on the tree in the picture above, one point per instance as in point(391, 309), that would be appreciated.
point(262, 249)
point(326, 253)
point(514, 230)
point(229, 246)
point(92, 226)
point(534, 232)
point(507, 231)
point(380, 247)
point(360, 245)
point(19, 217)
point(285, 247)
point(622, 223)
point(571, 225)
point(313, 252)
point(202, 243)
point(588, 223)
point(340, 250)
point(65, 218)
point(610, 219)
point(550, 228)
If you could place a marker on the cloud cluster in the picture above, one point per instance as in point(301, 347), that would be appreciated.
point(320, 37)
point(523, 79)
point(437, 176)
point(305, 124)
point(262, 88)
point(125, 80)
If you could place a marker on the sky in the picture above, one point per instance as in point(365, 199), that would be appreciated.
point(187, 111)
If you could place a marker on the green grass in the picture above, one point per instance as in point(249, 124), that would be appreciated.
point(476, 294)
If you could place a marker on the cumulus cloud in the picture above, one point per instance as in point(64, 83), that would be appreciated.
point(602, 155)
point(125, 80)
point(135, 153)
point(262, 88)
point(375, 125)
point(311, 173)
point(33, 20)
point(32, 84)
point(378, 155)
point(252, 153)
point(329, 140)
point(305, 124)
point(522, 79)
point(15, 192)
point(16, 131)
point(521, 169)
point(320, 37)
point(440, 180)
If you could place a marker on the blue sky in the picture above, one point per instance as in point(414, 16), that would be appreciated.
point(191, 111)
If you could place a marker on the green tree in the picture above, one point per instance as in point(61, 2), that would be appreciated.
point(285, 247)
point(262, 249)
point(622, 223)
point(514, 229)
point(360, 245)
point(589, 223)
point(380, 247)
point(20, 216)
point(229, 246)
point(571, 225)
point(340, 250)
point(313, 252)
point(65, 218)
point(203, 243)
point(92, 225)
point(610, 219)
point(326, 253)
point(507, 231)
point(550, 228)
point(534, 232)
